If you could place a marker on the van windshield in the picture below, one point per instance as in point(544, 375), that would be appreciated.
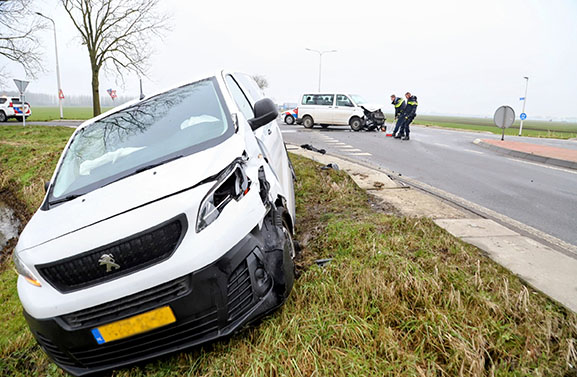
point(358, 99)
point(162, 128)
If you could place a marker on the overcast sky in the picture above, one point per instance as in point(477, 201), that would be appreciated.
point(458, 56)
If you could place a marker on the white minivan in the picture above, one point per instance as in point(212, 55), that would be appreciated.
point(331, 109)
point(166, 224)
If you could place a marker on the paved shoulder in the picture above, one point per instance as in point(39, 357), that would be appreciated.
point(546, 154)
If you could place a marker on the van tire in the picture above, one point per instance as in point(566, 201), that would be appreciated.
point(289, 119)
point(308, 122)
point(3, 117)
point(356, 124)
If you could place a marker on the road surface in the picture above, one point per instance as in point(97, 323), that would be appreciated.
point(541, 196)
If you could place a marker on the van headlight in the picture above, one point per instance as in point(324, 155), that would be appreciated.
point(231, 184)
point(21, 269)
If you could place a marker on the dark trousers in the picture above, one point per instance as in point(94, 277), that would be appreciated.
point(399, 125)
point(405, 126)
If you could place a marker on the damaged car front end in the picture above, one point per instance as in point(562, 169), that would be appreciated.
point(168, 223)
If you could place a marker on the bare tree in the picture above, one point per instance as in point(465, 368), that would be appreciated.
point(261, 81)
point(117, 35)
point(17, 36)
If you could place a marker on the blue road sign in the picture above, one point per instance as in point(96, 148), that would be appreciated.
point(522, 99)
point(523, 116)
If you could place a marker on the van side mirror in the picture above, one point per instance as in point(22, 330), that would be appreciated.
point(265, 111)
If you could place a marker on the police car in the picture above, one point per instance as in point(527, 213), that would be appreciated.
point(290, 116)
point(11, 107)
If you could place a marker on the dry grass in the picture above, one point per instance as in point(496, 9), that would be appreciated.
point(401, 297)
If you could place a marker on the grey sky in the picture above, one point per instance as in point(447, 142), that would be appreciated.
point(457, 56)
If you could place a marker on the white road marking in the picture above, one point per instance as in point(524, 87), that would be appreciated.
point(543, 165)
point(472, 151)
point(288, 131)
point(442, 145)
point(346, 146)
point(353, 150)
point(361, 154)
point(333, 141)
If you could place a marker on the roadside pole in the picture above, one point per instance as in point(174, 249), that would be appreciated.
point(524, 100)
point(22, 85)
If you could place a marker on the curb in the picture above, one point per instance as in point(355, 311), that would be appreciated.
point(528, 156)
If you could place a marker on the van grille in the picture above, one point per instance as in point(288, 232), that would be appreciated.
point(129, 305)
point(130, 255)
point(239, 292)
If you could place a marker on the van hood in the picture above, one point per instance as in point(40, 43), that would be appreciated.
point(372, 106)
point(128, 193)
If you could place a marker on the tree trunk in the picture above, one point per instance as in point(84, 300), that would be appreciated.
point(95, 92)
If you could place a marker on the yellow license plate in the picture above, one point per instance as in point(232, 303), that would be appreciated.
point(134, 325)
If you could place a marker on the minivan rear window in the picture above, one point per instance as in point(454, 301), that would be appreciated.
point(179, 122)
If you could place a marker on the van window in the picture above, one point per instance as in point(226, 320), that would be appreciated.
point(176, 123)
point(343, 100)
point(318, 99)
point(239, 97)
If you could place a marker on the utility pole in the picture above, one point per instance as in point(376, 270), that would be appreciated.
point(57, 65)
point(320, 61)
point(524, 101)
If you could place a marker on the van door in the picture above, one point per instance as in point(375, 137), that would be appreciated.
point(269, 136)
point(343, 110)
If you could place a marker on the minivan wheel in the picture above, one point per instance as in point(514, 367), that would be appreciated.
point(308, 122)
point(356, 123)
point(289, 119)
point(2, 116)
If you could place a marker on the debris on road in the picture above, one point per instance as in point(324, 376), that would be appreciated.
point(311, 148)
point(330, 166)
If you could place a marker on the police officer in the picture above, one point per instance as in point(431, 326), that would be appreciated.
point(400, 105)
point(409, 114)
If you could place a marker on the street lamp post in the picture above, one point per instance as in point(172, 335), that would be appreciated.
point(524, 100)
point(320, 61)
point(57, 65)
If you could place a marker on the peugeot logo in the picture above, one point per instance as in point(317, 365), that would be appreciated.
point(108, 261)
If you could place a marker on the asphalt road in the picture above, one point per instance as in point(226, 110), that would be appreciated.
point(542, 196)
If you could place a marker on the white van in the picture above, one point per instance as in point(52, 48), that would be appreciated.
point(166, 224)
point(331, 109)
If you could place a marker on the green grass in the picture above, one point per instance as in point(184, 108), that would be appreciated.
point(559, 130)
point(401, 297)
point(40, 114)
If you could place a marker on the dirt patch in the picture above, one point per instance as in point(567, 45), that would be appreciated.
point(20, 212)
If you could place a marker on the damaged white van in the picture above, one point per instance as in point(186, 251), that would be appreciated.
point(166, 224)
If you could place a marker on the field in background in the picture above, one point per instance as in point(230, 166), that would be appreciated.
point(533, 128)
point(40, 114)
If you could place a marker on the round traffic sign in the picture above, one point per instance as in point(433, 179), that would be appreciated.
point(504, 117)
point(523, 116)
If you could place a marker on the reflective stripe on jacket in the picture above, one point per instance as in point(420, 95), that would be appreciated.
point(400, 105)
point(411, 108)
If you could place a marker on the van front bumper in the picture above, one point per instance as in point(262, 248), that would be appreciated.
point(249, 281)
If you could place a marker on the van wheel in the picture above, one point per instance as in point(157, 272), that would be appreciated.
point(2, 116)
point(356, 124)
point(289, 119)
point(308, 122)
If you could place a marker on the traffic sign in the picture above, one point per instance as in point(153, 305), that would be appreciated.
point(523, 116)
point(504, 118)
point(21, 85)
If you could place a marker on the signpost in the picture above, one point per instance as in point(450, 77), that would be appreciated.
point(524, 99)
point(22, 85)
point(504, 118)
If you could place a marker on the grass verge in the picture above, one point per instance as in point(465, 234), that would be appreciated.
point(400, 297)
point(557, 130)
point(40, 114)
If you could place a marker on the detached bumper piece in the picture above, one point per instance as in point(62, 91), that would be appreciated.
point(249, 281)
